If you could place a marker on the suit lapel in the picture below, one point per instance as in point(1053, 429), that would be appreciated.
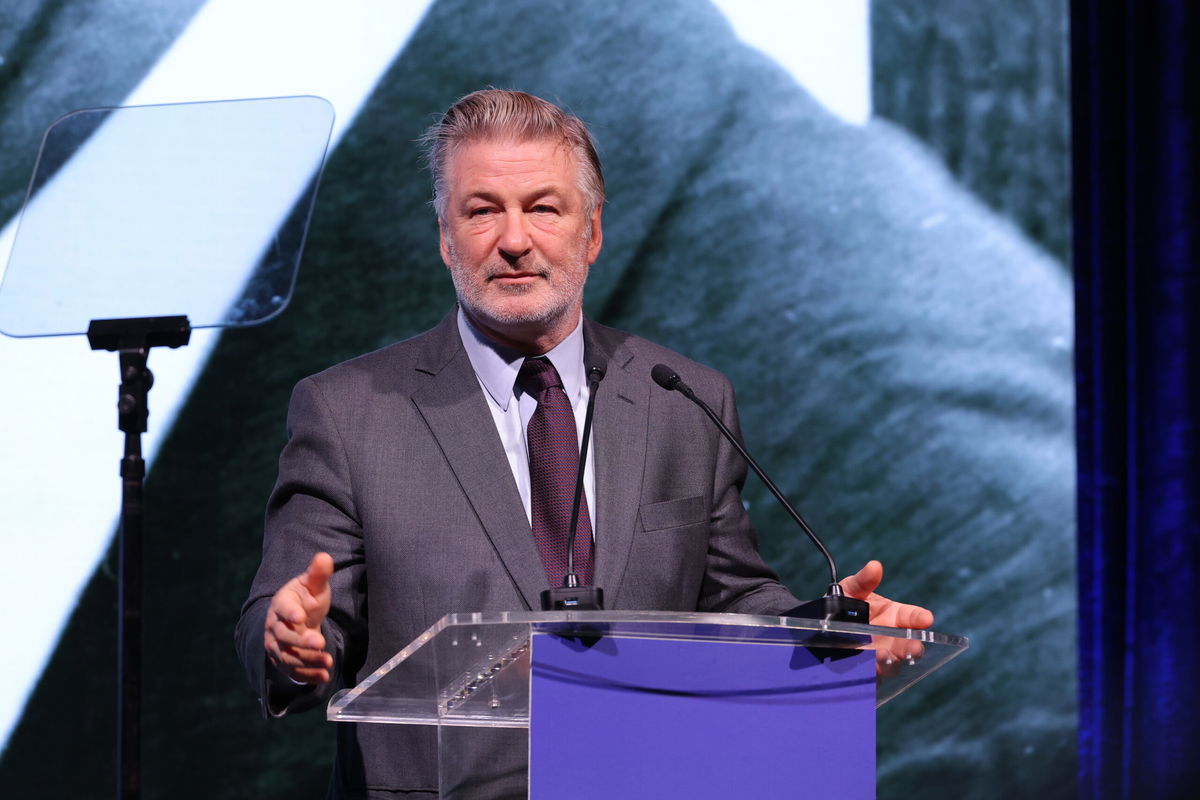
point(619, 443)
point(456, 412)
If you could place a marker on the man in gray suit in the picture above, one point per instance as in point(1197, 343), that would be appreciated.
point(404, 491)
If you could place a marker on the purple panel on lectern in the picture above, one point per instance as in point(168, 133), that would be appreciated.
point(642, 718)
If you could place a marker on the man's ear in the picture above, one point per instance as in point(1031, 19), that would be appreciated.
point(597, 237)
point(442, 245)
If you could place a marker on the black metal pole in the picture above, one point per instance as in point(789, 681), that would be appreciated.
point(132, 338)
point(129, 625)
point(136, 381)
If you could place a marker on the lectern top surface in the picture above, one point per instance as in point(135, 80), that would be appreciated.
point(440, 677)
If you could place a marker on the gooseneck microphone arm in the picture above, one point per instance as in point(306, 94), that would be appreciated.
point(667, 378)
point(571, 596)
point(595, 375)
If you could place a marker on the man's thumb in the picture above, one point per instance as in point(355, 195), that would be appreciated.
point(316, 578)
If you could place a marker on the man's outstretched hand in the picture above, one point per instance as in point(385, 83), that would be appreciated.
point(293, 636)
point(890, 653)
point(886, 612)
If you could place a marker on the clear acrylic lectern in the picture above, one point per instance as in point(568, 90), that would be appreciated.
point(606, 704)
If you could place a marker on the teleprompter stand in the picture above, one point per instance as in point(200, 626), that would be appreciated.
point(604, 704)
point(132, 340)
point(138, 213)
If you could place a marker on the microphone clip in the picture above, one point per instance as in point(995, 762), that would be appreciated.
point(835, 606)
point(573, 598)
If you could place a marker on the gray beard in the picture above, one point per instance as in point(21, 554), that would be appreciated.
point(473, 298)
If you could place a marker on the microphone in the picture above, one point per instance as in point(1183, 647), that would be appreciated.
point(834, 605)
point(571, 596)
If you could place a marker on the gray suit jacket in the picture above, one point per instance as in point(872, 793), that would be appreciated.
point(394, 467)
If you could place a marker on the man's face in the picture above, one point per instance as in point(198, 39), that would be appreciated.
point(518, 240)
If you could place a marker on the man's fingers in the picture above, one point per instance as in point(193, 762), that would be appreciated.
point(299, 657)
point(892, 614)
point(288, 610)
point(908, 616)
point(299, 662)
point(288, 635)
point(306, 666)
point(892, 655)
point(288, 604)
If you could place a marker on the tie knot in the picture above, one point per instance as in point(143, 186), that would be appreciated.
point(537, 375)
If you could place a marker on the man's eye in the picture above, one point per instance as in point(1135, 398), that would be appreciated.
point(479, 212)
point(544, 209)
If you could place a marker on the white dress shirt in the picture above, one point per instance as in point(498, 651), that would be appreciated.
point(496, 368)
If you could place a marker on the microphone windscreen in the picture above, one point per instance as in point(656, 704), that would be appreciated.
point(664, 376)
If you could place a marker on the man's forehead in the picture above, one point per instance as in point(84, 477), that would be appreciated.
point(501, 154)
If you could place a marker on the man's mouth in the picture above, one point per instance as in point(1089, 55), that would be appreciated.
point(526, 276)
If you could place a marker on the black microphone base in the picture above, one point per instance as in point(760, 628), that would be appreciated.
point(833, 608)
point(576, 598)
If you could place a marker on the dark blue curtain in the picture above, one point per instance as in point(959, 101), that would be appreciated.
point(1136, 85)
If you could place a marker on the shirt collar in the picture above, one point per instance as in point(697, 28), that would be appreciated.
point(497, 366)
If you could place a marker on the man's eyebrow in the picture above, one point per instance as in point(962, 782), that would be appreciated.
point(554, 190)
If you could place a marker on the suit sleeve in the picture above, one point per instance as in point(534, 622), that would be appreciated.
point(312, 509)
point(736, 578)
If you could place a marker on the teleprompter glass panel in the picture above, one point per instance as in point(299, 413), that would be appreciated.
point(195, 209)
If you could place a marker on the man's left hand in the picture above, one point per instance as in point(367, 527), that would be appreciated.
point(890, 653)
point(889, 613)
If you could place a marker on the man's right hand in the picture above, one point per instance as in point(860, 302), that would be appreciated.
point(293, 636)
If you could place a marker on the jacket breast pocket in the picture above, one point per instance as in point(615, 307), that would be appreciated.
point(674, 513)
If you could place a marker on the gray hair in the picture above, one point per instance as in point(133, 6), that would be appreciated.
point(500, 113)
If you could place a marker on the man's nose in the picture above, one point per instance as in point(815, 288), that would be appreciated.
point(514, 235)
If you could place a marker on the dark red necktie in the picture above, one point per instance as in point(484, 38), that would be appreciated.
point(553, 462)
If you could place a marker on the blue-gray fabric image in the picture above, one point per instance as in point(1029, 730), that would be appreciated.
point(901, 355)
